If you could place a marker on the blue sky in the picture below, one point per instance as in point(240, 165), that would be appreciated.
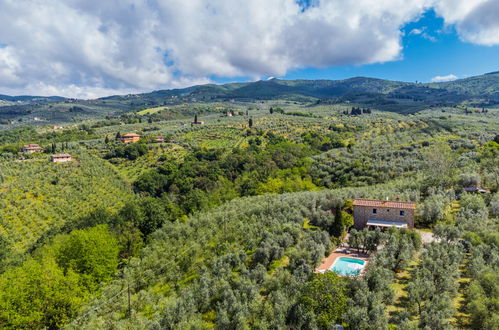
point(94, 48)
point(436, 51)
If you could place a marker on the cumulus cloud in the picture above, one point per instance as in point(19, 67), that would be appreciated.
point(448, 77)
point(89, 48)
point(475, 21)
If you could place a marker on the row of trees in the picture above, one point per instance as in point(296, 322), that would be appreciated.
point(370, 294)
point(434, 284)
point(483, 267)
point(70, 267)
point(241, 264)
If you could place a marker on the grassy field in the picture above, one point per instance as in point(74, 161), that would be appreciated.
point(150, 111)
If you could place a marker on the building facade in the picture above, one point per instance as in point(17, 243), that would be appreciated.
point(383, 213)
point(32, 148)
point(130, 137)
point(60, 158)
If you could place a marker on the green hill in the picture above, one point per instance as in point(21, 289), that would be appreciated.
point(31, 99)
point(486, 85)
point(395, 96)
point(37, 196)
point(359, 89)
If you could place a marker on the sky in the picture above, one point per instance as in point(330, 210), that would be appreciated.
point(94, 48)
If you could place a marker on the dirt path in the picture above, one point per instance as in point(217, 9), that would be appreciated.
point(426, 236)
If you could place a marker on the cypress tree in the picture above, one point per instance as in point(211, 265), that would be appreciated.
point(336, 228)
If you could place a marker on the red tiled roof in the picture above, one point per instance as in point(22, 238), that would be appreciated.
point(382, 203)
point(130, 135)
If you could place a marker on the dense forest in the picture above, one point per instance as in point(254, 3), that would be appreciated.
point(223, 223)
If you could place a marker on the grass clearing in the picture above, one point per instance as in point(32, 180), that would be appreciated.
point(462, 319)
point(150, 111)
point(399, 287)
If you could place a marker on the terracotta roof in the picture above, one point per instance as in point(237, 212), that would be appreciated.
point(32, 147)
point(130, 135)
point(382, 203)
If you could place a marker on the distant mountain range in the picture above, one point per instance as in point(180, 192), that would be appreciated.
point(396, 96)
point(31, 99)
point(483, 89)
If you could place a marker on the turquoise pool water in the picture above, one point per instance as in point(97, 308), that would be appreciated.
point(348, 266)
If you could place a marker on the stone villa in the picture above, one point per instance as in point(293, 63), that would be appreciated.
point(60, 158)
point(32, 148)
point(383, 213)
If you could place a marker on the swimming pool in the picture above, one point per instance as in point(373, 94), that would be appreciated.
point(348, 266)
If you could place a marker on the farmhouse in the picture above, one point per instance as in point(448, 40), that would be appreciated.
point(60, 158)
point(31, 148)
point(197, 122)
point(383, 213)
point(130, 137)
point(159, 139)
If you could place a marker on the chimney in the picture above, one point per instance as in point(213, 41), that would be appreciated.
point(387, 198)
point(398, 198)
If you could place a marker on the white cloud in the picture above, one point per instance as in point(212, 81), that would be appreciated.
point(93, 47)
point(448, 77)
point(476, 21)
point(417, 31)
point(422, 32)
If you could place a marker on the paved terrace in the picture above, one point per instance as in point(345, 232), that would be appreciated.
point(341, 252)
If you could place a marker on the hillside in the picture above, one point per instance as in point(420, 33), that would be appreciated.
point(485, 86)
point(480, 86)
point(223, 223)
point(31, 99)
point(37, 196)
point(401, 97)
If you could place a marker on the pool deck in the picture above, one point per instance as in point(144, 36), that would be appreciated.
point(341, 252)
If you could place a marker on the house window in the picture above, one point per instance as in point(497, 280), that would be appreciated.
point(375, 211)
point(402, 213)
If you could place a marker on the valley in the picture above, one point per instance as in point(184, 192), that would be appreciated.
point(229, 197)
